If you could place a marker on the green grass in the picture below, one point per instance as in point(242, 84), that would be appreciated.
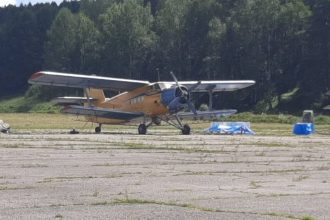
point(40, 121)
point(264, 118)
point(67, 122)
point(307, 218)
point(22, 104)
point(58, 216)
point(134, 201)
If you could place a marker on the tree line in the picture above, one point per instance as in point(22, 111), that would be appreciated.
point(282, 44)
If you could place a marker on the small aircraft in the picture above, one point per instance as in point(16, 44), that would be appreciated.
point(149, 102)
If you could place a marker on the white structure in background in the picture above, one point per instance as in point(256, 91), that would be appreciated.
point(4, 127)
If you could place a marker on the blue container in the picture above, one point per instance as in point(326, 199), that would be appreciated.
point(303, 128)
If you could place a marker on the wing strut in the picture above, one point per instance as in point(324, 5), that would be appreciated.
point(210, 99)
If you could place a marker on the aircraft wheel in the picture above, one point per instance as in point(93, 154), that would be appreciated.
point(142, 129)
point(186, 129)
point(98, 130)
point(156, 121)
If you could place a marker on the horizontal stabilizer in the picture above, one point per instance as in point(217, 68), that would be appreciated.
point(72, 100)
point(101, 112)
point(202, 115)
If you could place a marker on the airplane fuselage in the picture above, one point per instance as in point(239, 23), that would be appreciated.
point(146, 99)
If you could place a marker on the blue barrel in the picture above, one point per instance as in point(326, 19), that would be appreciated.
point(303, 128)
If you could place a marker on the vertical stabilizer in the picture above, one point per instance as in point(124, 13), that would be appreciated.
point(96, 94)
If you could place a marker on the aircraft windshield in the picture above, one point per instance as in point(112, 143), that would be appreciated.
point(163, 85)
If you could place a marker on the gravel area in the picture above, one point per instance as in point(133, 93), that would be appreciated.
point(54, 175)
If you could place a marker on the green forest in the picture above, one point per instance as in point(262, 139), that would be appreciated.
point(284, 45)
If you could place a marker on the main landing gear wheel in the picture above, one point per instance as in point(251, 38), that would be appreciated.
point(142, 129)
point(98, 130)
point(186, 129)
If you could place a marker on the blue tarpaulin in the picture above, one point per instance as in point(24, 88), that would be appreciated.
point(229, 128)
point(303, 128)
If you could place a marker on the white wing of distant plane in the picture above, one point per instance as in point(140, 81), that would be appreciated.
point(85, 81)
point(203, 115)
point(215, 85)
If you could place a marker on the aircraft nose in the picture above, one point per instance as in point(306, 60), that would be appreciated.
point(167, 96)
point(175, 99)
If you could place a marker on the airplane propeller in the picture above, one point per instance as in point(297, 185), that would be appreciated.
point(184, 96)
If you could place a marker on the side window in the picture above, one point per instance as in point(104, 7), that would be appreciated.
point(136, 100)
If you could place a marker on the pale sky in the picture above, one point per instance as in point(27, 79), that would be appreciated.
point(25, 2)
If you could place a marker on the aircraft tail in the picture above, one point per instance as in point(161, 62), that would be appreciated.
point(96, 94)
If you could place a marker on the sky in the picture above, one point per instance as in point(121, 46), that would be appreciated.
point(18, 2)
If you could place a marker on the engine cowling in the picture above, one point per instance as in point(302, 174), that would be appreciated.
point(175, 98)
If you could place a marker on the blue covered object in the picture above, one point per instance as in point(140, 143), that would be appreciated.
point(303, 128)
point(229, 128)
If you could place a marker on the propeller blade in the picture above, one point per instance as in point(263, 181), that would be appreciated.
point(184, 95)
point(176, 81)
point(174, 78)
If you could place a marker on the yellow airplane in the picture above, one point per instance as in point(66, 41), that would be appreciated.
point(150, 103)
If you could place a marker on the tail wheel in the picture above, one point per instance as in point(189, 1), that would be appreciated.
point(156, 121)
point(186, 129)
point(142, 129)
point(98, 130)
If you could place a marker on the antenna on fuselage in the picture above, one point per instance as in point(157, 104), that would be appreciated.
point(157, 69)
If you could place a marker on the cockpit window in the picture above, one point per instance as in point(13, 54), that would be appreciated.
point(164, 85)
point(156, 86)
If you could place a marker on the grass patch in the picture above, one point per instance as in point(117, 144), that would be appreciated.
point(15, 187)
point(264, 118)
point(58, 216)
point(64, 178)
point(259, 124)
point(23, 104)
point(40, 121)
point(134, 201)
point(307, 218)
point(141, 201)
point(254, 185)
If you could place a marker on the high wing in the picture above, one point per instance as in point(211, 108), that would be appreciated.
point(215, 85)
point(85, 81)
point(202, 115)
point(101, 112)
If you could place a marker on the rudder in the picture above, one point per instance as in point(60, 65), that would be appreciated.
point(97, 94)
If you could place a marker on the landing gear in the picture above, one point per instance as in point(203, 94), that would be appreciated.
point(98, 129)
point(175, 122)
point(74, 131)
point(185, 129)
point(142, 129)
point(156, 120)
